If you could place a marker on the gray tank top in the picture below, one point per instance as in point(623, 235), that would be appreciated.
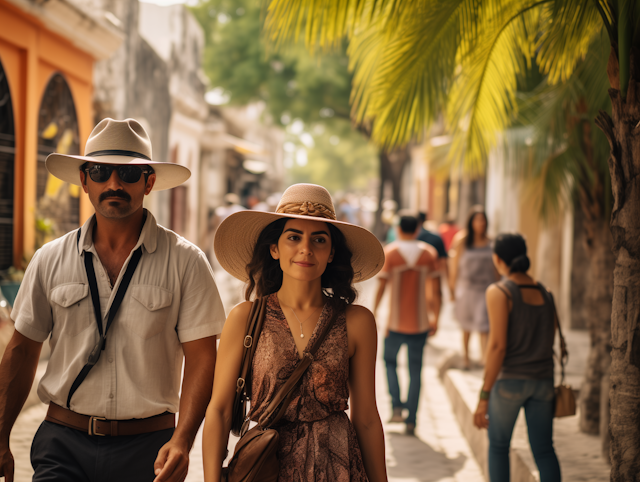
point(530, 335)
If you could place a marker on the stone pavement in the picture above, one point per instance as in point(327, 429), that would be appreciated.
point(438, 453)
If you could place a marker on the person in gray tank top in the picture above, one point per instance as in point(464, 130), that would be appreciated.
point(519, 365)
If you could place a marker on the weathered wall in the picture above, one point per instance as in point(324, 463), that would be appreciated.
point(134, 82)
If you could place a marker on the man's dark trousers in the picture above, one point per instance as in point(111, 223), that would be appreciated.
point(415, 346)
point(64, 454)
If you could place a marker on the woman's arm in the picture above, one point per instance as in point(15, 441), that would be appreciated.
point(498, 308)
point(363, 341)
point(457, 246)
point(217, 422)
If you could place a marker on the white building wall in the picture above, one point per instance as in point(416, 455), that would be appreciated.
point(178, 39)
point(184, 139)
point(502, 194)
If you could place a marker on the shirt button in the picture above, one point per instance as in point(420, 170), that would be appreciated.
point(110, 360)
point(111, 395)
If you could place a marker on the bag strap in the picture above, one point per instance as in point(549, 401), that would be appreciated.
point(94, 356)
point(250, 342)
point(278, 406)
point(564, 354)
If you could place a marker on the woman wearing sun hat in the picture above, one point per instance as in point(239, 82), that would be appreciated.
point(305, 262)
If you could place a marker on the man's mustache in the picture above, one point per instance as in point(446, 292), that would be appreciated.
point(121, 194)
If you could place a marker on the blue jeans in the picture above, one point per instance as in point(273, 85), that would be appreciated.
point(538, 399)
point(415, 345)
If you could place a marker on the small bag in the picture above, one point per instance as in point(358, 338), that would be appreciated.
point(255, 455)
point(565, 399)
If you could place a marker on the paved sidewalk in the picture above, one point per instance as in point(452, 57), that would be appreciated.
point(438, 453)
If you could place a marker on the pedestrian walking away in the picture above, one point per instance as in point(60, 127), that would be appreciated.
point(519, 368)
point(436, 241)
point(472, 272)
point(411, 268)
point(123, 302)
point(304, 262)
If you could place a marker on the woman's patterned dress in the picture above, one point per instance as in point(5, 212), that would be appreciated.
point(317, 440)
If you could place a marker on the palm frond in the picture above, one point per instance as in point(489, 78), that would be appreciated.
point(553, 185)
point(325, 22)
point(482, 102)
point(562, 118)
point(402, 74)
point(570, 27)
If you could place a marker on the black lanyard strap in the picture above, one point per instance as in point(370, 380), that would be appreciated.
point(94, 356)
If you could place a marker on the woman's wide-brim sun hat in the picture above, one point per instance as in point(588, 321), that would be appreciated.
point(237, 235)
point(117, 142)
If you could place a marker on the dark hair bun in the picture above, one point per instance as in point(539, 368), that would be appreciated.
point(520, 264)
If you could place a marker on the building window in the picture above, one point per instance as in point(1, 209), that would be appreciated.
point(58, 208)
point(7, 162)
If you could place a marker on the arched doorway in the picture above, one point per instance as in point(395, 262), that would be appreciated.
point(58, 205)
point(7, 162)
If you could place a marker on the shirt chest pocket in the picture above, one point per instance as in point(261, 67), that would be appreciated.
point(70, 306)
point(150, 309)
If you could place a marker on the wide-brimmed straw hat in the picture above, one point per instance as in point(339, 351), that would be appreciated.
point(117, 142)
point(237, 234)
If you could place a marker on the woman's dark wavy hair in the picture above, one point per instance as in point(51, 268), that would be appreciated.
point(265, 274)
point(475, 210)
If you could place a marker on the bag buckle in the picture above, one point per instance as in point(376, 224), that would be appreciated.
point(248, 341)
point(92, 426)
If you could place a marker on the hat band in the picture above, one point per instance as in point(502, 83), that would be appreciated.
point(307, 208)
point(117, 152)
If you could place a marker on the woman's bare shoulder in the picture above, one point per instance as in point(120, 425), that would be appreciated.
point(358, 315)
point(358, 311)
point(241, 310)
point(497, 292)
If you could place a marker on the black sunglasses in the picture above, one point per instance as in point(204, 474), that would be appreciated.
point(126, 172)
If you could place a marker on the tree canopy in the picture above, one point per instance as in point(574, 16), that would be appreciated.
point(295, 86)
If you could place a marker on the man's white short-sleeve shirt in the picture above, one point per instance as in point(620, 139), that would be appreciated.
point(172, 299)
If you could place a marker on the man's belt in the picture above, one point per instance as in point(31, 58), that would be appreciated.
point(101, 426)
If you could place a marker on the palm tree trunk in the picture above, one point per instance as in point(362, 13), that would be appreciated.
point(597, 300)
point(622, 132)
point(392, 164)
point(579, 273)
point(379, 229)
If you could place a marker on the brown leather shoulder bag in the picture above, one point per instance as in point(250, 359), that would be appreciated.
point(565, 398)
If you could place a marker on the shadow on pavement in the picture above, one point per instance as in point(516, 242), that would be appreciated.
point(415, 460)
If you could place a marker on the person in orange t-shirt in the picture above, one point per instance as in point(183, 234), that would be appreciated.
point(411, 269)
point(448, 230)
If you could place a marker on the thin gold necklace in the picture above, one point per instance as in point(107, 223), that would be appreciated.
point(300, 322)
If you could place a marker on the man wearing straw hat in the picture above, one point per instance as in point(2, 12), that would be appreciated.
point(121, 300)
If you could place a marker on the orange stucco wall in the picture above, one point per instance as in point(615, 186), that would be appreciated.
point(30, 55)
